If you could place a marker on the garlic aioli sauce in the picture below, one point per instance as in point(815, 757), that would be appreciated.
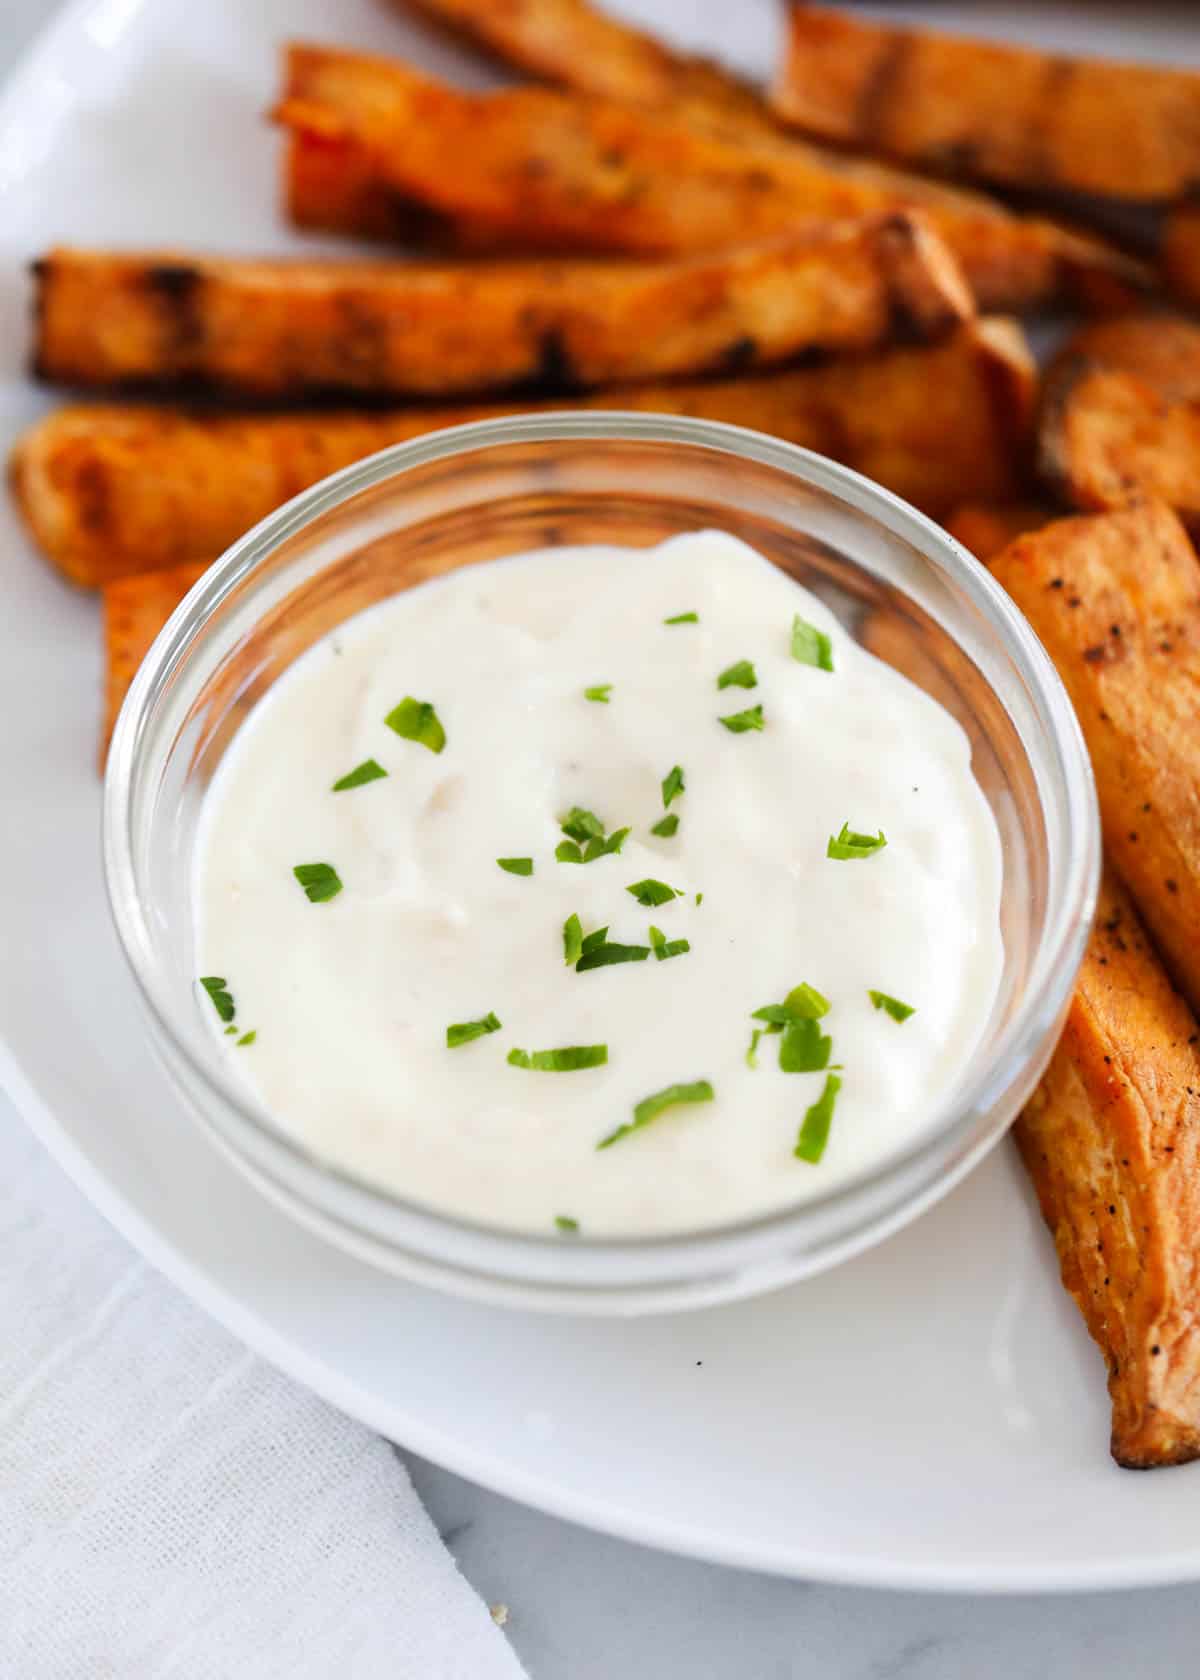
point(350, 999)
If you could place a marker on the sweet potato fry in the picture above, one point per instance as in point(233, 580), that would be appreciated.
point(571, 43)
point(282, 330)
point(135, 610)
point(537, 169)
point(1115, 599)
point(109, 490)
point(1111, 1140)
point(988, 527)
point(991, 111)
point(1120, 415)
point(1181, 251)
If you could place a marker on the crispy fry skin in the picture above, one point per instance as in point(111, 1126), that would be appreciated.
point(537, 169)
point(108, 490)
point(1116, 600)
point(573, 44)
point(1111, 1140)
point(135, 610)
point(991, 111)
point(988, 527)
point(1162, 349)
point(1181, 251)
point(292, 329)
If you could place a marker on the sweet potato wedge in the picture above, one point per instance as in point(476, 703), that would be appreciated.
point(991, 111)
point(1162, 349)
point(1115, 599)
point(988, 527)
point(135, 610)
point(573, 44)
point(109, 489)
point(1181, 251)
point(538, 169)
point(1111, 1140)
point(282, 330)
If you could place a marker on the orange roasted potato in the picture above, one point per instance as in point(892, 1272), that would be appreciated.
point(135, 610)
point(1115, 599)
point(1181, 251)
point(533, 168)
point(112, 489)
point(286, 329)
point(988, 527)
point(989, 110)
point(1111, 1140)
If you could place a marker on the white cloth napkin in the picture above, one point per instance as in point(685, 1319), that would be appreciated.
point(171, 1506)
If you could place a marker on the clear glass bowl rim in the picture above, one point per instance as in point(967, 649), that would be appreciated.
point(1059, 951)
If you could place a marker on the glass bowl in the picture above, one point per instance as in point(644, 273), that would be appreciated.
point(899, 584)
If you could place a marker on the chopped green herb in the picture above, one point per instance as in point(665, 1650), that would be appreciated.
point(319, 880)
point(803, 1003)
point(248, 1038)
point(466, 1032)
point(672, 785)
point(804, 1048)
point(741, 675)
point(516, 866)
point(612, 845)
point(667, 826)
point(582, 825)
point(738, 723)
point(572, 939)
point(222, 999)
point(599, 693)
point(752, 1052)
point(594, 940)
point(568, 1060)
point(603, 955)
point(417, 721)
point(849, 844)
point(892, 1006)
point(814, 1132)
point(683, 618)
point(811, 646)
point(664, 947)
point(699, 898)
point(568, 852)
point(230, 1032)
point(564, 1222)
point(651, 1107)
point(651, 892)
point(368, 771)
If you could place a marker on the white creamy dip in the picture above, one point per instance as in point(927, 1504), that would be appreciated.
point(349, 997)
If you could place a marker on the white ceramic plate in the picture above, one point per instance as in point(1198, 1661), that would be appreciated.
point(929, 1415)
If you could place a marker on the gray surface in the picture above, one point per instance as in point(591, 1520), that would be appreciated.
point(583, 1607)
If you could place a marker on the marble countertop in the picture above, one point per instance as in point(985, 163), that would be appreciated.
point(584, 1606)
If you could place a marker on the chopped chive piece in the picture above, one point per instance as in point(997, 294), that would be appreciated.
point(222, 999)
point(593, 940)
point(699, 898)
point(368, 771)
point(616, 840)
point(892, 1006)
point(568, 1060)
point(466, 1032)
point(738, 723)
point(319, 880)
point(599, 693)
point(804, 1048)
point(849, 844)
point(752, 1052)
point(248, 1038)
point(803, 1003)
point(564, 1222)
point(667, 827)
point(230, 1032)
point(672, 785)
point(651, 1107)
point(572, 939)
point(516, 866)
point(568, 852)
point(651, 892)
point(683, 618)
point(602, 955)
point(582, 825)
point(417, 721)
point(776, 1013)
point(664, 947)
point(741, 675)
point(811, 646)
point(814, 1132)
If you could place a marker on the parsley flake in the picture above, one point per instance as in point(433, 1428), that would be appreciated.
point(368, 771)
point(564, 1222)
point(516, 866)
point(417, 721)
point(803, 1003)
point(664, 947)
point(599, 693)
point(892, 1006)
point(752, 1051)
point(222, 998)
point(248, 1038)
point(572, 939)
point(567, 1060)
point(672, 785)
point(466, 1032)
point(803, 1047)
point(667, 826)
point(814, 1131)
point(811, 646)
point(651, 892)
point(849, 844)
point(651, 1107)
point(319, 880)
point(683, 618)
point(741, 675)
point(598, 953)
point(738, 723)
